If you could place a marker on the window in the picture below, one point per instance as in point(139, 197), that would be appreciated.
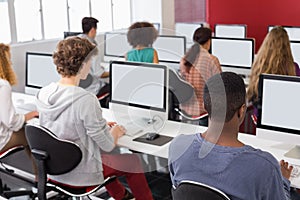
point(55, 18)
point(4, 21)
point(77, 11)
point(101, 10)
point(28, 20)
point(145, 10)
point(121, 14)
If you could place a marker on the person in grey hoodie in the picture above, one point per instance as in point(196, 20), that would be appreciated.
point(74, 114)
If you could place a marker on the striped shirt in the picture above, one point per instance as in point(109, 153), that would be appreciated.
point(205, 66)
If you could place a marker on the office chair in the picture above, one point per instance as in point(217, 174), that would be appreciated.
point(191, 190)
point(180, 91)
point(55, 156)
point(84, 83)
point(4, 189)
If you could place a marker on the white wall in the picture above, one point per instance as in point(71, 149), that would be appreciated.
point(145, 10)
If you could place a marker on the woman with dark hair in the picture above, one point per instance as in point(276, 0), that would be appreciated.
point(197, 66)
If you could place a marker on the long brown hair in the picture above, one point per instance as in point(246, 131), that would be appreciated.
point(274, 57)
point(6, 70)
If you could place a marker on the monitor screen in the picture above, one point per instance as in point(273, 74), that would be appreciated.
point(139, 85)
point(233, 52)
point(187, 30)
point(157, 26)
point(170, 48)
point(116, 44)
point(230, 30)
point(278, 107)
point(295, 48)
point(293, 32)
point(40, 70)
point(68, 34)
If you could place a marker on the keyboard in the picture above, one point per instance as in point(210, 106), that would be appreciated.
point(296, 171)
point(133, 129)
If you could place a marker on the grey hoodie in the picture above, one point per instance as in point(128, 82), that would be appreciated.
point(74, 114)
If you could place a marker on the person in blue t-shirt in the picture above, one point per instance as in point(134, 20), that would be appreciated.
point(217, 158)
point(141, 36)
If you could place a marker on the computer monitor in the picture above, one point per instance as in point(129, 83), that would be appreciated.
point(278, 111)
point(295, 48)
point(170, 50)
point(115, 46)
point(40, 71)
point(231, 30)
point(234, 54)
point(187, 30)
point(293, 31)
point(69, 34)
point(138, 92)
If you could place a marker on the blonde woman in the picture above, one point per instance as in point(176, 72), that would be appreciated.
point(11, 131)
point(273, 57)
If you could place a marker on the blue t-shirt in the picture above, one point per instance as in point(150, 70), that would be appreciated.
point(240, 172)
point(141, 55)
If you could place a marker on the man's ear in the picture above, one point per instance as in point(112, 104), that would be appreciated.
point(242, 111)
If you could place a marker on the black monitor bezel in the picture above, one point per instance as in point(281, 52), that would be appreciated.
point(260, 99)
point(243, 39)
point(70, 34)
point(139, 64)
point(239, 25)
point(26, 69)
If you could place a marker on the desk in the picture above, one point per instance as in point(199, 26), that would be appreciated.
point(173, 129)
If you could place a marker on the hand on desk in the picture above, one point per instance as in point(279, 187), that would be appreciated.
point(31, 115)
point(117, 131)
point(111, 124)
point(286, 170)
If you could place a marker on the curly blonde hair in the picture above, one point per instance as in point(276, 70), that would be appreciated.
point(71, 53)
point(6, 70)
point(274, 57)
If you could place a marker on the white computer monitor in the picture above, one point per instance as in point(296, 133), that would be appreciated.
point(156, 26)
point(139, 92)
point(278, 110)
point(187, 30)
point(231, 30)
point(170, 49)
point(115, 46)
point(40, 71)
point(292, 31)
point(234, 54)
point(295, 48)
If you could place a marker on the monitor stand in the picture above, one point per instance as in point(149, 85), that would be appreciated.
point(293, 153)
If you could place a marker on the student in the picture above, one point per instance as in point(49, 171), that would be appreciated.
point(11, 124)
point(89, 29)
point(196, 67)
point(74, 114)
point(141, 36)
point(217, 158)
point(274, 57)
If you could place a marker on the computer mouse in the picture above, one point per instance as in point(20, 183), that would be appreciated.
point(152, 136)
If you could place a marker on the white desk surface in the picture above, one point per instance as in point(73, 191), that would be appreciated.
point(173, 129)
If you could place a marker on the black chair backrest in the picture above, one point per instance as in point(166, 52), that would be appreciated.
point(182, 90)
point(189, 190)
point(84, 83)
point(63, 155)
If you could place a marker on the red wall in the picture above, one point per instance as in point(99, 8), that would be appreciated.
point(256, 14)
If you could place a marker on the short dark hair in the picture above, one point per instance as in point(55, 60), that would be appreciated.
point(71, 53)
point(223, 95)
point(202, 35)
point(141, 33)
point(88, 23)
